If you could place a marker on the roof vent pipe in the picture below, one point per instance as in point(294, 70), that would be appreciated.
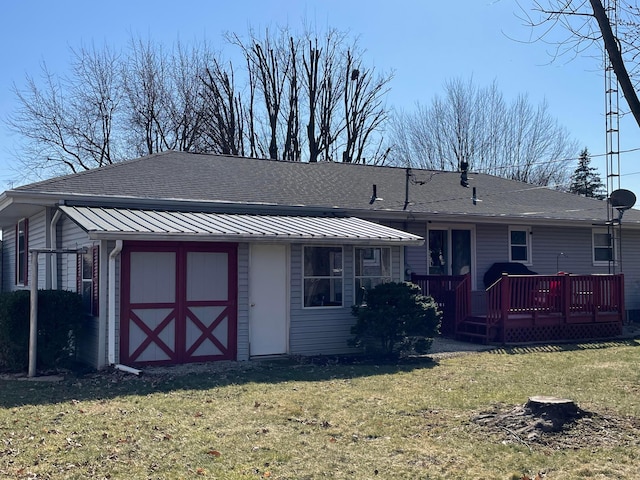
point(374, 195)
point(406, 189)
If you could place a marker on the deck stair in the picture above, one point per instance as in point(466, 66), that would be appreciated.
point(473, 329)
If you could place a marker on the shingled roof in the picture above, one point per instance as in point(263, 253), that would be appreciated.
point(220, 180)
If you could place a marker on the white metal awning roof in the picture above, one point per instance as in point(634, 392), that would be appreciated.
point(133, 224)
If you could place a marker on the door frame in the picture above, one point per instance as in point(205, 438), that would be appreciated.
point(455, 226)
point(287, 294)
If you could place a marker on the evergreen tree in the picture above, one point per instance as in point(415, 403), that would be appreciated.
point(586, 180)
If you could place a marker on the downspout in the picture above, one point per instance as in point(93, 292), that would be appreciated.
point(54, 244)
point(111, 326)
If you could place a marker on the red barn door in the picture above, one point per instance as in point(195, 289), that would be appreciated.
point(178, 303)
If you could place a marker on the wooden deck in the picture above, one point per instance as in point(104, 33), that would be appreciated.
point(452, 293)
point(531, 308)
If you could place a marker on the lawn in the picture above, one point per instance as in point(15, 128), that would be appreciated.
point(301, 420)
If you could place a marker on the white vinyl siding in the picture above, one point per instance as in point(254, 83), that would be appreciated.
point(36, 239)
point(415, 257)
point(70, 236)
point(243, 302)
point(38, 227)
point(325, 331)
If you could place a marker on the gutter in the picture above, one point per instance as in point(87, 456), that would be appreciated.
point(111, 323)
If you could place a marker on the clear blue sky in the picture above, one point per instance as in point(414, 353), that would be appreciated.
point(425, 43)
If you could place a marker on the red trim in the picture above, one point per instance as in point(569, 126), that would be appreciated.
point(180, 308)
point(24, 266)
point(95, 290)
point(79, 271)
point(153, 335)
point(207, 332)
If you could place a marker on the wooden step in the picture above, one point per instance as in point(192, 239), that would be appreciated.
point(473, 329)
point(472, 334)
point(474, 323)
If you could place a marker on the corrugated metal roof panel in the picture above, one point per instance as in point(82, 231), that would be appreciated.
point(122, 223)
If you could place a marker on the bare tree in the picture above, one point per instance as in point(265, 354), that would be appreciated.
point(269, 63)
point(144, 75)
point(149, 99)
point(476, 126)
point(165, 96)
point(364, 111)
point(589, 22)
point(186, 101)
point(291, 150)
point(326, 82)
point(223, 116)
point(67, 123)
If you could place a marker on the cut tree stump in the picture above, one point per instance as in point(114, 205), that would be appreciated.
point(553, 412)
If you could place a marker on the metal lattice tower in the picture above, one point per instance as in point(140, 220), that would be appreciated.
point(612, 113)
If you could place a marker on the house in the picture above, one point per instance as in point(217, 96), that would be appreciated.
point(186, 257)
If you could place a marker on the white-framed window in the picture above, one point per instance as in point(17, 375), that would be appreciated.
point(372, 266)
point(520, 245)
point(450, 249)
point(22, 252)
point(322, 276)
point(603, 242)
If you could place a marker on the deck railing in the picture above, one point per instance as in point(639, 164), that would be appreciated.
point(452, 293)
point(562, 299)
point(523, 308)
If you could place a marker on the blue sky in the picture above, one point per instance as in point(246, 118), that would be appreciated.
point(425, 43)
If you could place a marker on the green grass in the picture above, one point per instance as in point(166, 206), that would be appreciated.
point(283, 420)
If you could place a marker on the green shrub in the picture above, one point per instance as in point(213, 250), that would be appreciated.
point(396, 319)
point(60, 318)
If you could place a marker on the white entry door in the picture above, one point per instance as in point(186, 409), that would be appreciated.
point(268, 299)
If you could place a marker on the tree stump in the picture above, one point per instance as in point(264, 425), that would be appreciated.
point(552, 412)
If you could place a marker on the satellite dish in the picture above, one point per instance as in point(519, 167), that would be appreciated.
point(622, 199)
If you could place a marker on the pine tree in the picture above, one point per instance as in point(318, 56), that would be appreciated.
point(586, 180)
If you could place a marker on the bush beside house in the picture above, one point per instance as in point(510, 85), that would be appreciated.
point(397, 319)
point(60, 318)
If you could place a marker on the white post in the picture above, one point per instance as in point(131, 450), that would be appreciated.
point(33, 316)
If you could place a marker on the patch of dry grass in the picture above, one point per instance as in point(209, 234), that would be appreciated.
point(291, 421)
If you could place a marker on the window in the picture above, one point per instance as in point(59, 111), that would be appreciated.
point(372, 267)
point(438, 252)
point(322, 276)
point(449, 250)
point(603, 251)
point(87, 278)
point(22, 252)
point(520, 245)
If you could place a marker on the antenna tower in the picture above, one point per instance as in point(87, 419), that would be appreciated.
point(612, 113)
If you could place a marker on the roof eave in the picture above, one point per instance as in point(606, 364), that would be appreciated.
point(248, 238)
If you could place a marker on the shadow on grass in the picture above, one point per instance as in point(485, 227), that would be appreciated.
point(563, 347)
point(112, 383)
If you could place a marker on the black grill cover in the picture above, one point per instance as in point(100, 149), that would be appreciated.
point(497, 269)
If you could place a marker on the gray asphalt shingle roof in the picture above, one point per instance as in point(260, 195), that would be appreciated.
point(218, 178)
